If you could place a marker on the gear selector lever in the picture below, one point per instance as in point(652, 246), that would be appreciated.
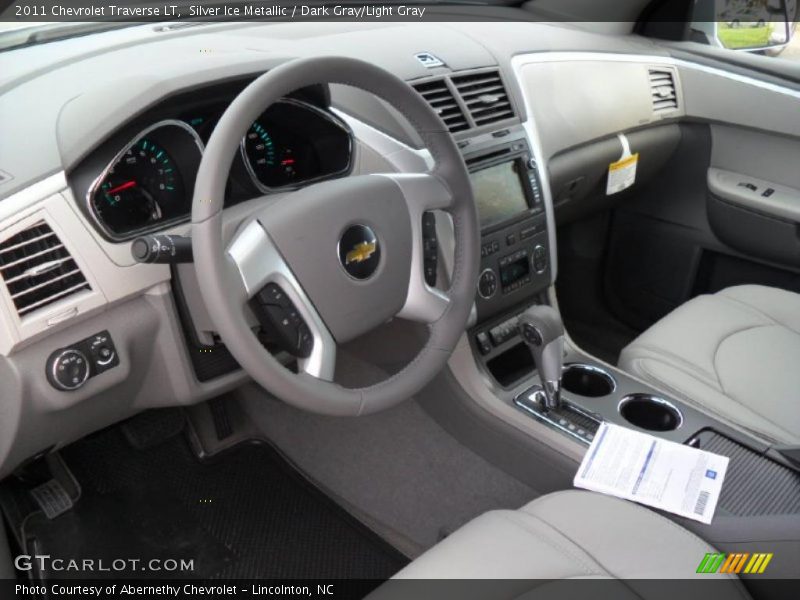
point(543, 331)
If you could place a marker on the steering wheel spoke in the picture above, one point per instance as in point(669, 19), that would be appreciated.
point(280, 302)
point(423, 193)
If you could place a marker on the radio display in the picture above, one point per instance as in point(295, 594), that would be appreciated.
point(512, 272)
point(498, 193)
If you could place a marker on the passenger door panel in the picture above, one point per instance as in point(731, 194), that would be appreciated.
point(754, 193)
point(695, 230)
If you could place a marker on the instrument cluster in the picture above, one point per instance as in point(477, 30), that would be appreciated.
point(148, 183)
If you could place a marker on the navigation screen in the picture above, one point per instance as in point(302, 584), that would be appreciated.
point(498, 192)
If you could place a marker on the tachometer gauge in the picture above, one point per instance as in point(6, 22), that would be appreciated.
point(268, 163)
point(260, 147)
point(294, 143)
point(134, 189)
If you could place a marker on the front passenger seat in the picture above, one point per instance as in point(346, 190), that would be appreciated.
point(734, 355)
point(565, 535)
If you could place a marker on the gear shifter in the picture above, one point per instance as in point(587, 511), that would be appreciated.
point(542, 329)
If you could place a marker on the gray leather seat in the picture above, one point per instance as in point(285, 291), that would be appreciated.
point(734, 355)
point(567, 535)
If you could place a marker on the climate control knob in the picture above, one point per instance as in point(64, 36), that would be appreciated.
point(68, 369)
point(487, 284)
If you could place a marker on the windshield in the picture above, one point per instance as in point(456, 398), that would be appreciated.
point(16, 35)
point(19, 34)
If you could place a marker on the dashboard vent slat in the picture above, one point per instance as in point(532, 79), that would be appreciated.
point(441, 99)
point(485, 96)
point(37, 269)
point(662, 90)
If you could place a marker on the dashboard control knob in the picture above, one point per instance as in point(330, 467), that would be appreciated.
point(487, 284)
point(68, 369)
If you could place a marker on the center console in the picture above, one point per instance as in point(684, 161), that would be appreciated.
point(515, 246)
point(515, 261)
point(516, 271)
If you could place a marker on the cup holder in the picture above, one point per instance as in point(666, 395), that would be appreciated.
point(588, 381)
point(650, 412)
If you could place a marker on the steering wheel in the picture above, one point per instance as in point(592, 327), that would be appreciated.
point(336, 259)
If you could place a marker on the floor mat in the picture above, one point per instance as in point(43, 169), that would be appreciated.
point(245, 514)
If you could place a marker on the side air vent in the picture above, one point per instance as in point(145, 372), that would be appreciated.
point(441, 99)
point(662, 88)
point(38, 269)
point(485, 97)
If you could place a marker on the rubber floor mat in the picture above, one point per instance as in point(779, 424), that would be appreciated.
point(245, 514)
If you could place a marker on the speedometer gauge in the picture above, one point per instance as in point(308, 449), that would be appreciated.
point(144, 186)
point(136, 187)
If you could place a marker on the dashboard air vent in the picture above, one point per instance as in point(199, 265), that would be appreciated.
point(441, 99)
point(662, 88)
point(38, 269)
point(485, 97)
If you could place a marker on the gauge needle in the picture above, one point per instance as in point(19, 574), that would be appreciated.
point(122, 186)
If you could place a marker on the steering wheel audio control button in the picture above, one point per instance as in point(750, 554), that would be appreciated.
point(279, 316)
point(273, 294)
point(430, 247)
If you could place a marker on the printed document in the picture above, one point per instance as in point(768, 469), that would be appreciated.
point(646, 469)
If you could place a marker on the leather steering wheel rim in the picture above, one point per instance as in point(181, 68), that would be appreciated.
point(225, 294)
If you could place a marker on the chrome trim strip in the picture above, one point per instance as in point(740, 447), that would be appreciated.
point(99, 179)
point(535, 144)
point(519, 401)
point(334, 119)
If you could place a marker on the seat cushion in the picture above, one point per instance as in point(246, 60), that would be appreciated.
point(734, 355)
point(568, 535)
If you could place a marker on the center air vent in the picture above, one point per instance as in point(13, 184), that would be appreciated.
point(662, 88)
point(38, 269)
point(441, 99)
point(485, 97)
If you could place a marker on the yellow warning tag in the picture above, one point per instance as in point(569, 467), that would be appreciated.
point(622, 174)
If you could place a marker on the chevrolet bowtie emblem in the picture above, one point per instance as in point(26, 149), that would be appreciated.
point(360, 252)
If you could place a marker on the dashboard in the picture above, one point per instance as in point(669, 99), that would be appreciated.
point(142, 182)
point(113, 147)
